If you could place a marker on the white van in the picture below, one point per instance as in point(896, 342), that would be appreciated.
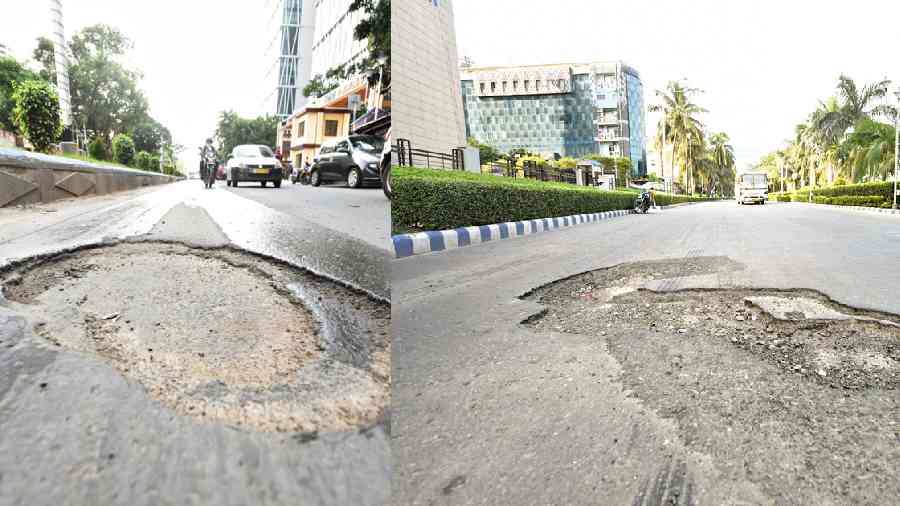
point(752, 187)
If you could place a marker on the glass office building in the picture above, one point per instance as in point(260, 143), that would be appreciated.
point(565, 110)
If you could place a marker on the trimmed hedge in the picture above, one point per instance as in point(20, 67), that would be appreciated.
point(863, 194)
point(427, 199)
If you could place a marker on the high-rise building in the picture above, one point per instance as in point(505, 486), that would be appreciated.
point(563, 109)
point(426, 90)
point(62, 63)
point(333, 41)
point(294, 54)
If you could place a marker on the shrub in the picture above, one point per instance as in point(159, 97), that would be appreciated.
point(435, 200)
point(153, 163)
point(97, 149)
point(142, 160)
point(840, 181)
point(123, 149)
point(36, 113)
point(857, 200)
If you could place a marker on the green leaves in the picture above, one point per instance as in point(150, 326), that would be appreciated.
point(123, 149)
point(234, 130)
point(36, 113)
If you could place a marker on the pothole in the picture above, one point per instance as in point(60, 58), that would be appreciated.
point(785, 389)
point(801, 331)
point(217, 334)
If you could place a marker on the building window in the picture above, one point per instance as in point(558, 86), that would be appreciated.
point(493, 87)
point(482, 88)
point(526, 84)
point(515, 85)
point(537, 85)
point(301, 129)
point(331, 126)
point(504, 86)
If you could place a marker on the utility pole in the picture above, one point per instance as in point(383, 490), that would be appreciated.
point(62, 64)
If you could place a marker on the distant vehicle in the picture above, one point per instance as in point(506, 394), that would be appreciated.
point(253, 162)
point(355, 159)
point(220, 172)
point(752, 187)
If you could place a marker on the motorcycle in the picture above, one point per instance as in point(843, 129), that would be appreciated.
point(301, 175)
point(385, 169)
point(212, 166)
point(642, 202)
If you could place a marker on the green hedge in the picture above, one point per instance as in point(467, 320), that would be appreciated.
point(426, 199)
point(865, 194)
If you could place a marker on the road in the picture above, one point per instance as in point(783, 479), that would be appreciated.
point(508, 390)
point(362, 213)
point(223, 346)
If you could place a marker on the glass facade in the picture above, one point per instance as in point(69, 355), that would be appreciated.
point(601, 113)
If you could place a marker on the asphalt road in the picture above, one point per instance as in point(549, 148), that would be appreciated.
point(75, 430)
point(487, 410)
point(362, 213)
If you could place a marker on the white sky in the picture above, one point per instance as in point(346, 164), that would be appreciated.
point(198, 57)
point(763, 64)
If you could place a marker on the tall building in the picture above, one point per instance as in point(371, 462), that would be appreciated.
point(426, 90)
point(62, 63)
point(331, 44)
point(565, 109)
point(294, 54)
point(333, 41)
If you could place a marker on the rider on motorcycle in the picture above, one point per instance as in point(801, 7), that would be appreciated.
point(208, 175)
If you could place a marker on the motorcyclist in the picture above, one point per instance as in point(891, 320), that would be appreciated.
point(208, 150)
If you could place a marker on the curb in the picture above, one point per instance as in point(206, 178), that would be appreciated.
point(406, 245)
point(879, 210)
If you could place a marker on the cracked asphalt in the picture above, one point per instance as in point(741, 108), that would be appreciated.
point(503, 393)
point(89, 416)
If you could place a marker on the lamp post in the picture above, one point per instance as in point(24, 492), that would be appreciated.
point(896, 147)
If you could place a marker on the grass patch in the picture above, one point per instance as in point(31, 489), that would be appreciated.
point(429, 199)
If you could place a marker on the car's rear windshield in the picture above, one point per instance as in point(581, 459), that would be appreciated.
point(754, 180)
point(253, 151)
point(369, 144)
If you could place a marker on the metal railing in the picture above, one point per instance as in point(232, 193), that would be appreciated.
point(407, 156)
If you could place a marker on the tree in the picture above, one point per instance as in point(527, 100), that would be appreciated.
point(150, 135)
point(233, 130)
point(123, 149)
point(11, 72)
point(104, 93)
point(722, 175)
point(871, 148)
point(679, 127)
point(36, 113)
point(623, 170)
point(142, 160)
point(45, 54)
point(486, 152)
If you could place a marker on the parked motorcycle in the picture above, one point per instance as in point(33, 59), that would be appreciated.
point(642, 202)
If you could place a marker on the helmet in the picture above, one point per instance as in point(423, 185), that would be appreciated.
point(209, 141)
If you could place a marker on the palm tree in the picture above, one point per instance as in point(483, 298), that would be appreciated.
point(871, 150)
point(722, 155)
point(679, 127)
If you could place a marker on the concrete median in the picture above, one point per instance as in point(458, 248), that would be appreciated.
point(31, 178)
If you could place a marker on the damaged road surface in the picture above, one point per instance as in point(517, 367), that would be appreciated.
point(194, 355)
point(793, 395)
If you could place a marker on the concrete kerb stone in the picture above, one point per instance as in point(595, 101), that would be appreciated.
point(31, 178)
point(406, 245)
point(877, 210)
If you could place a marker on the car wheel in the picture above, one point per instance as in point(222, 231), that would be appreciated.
point(277, 184)
point(263, 184)
point(314, 178)
point(386, 183)
point(354, 177)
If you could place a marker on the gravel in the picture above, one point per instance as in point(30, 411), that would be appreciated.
point(806, 407)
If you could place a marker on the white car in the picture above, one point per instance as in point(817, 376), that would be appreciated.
point(253, 162)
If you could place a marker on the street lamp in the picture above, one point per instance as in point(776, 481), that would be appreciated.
point(896, 146)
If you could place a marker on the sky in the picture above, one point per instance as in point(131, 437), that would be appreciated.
point(764, 65)
point(197, 57)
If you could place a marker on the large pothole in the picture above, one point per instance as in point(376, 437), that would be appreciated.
point(217, 334)
point(785, 388)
